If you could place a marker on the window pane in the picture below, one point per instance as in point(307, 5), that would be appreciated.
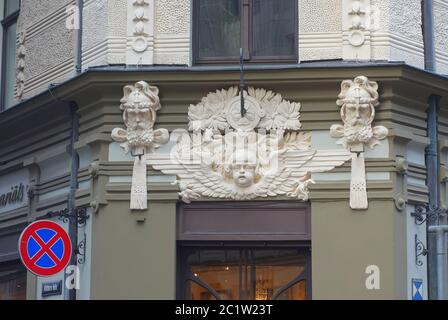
point(219, 28)
point(10, 66)
point(197, 292)
point(245, 274)
point(11, 6)
point(275, 269)
point(295, 292)
point(274, 28)
point(14, 289)
point(220, 270)
point(12, 283)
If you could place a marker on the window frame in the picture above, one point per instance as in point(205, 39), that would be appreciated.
point(246, 39)
point(6, 22)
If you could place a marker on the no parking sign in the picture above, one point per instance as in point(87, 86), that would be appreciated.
point(45, 248)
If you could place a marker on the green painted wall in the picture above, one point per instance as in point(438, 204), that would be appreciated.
point(134, 260)
point(345, 242)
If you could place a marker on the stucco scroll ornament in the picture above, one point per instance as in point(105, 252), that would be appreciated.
point(358, 99)
point(140, 104)
point(262, 154)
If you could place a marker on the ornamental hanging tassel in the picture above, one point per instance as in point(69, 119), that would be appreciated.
point(139, 194)
point(358, 99)
point(358, 188)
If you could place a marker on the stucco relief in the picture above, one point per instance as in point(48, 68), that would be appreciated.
point(140, 104)
point(358, 99)
point(172, 36)
point(356, 22)
point(231, 155)
point(21, 52)
point(266, 109)
point(141, 31)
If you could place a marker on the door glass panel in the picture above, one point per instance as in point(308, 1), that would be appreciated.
point(274, 28)
point(245, 274)
point(197, 292)
point(295, 292)
point(275, 269)
point(219, 269)
point(219, 28)
point(13, 287)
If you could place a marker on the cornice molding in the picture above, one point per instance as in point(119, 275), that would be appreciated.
point(108, 78)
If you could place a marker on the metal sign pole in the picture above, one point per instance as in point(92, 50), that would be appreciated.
point(243, 109)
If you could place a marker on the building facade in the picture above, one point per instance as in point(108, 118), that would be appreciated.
point(108, 104)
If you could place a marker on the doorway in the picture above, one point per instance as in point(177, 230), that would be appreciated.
point(249, 250)
point(244, 271)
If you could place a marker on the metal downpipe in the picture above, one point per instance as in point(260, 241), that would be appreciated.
point(436, 223)
point(71, 201)
point(428, 34)
point(78, 38)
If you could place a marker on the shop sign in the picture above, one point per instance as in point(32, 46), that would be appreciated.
point(13, 190)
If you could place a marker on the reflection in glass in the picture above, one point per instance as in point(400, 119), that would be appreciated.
point(274, 28)
point(246, 274)
point(219, 28)
point(295, 292)
point(12, 285)
point(197, 292)
point(11, 6)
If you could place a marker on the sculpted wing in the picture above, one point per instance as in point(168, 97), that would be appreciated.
point(289, 173)
point(293, 174)
point(283, 178)
point(322, 161)
point(195, 178)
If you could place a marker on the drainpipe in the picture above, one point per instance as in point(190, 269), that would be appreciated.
point(428, 34)
point(436, 226)
point(440, 232)
point(78, 38)
point(71, 205)
point(432, 182)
